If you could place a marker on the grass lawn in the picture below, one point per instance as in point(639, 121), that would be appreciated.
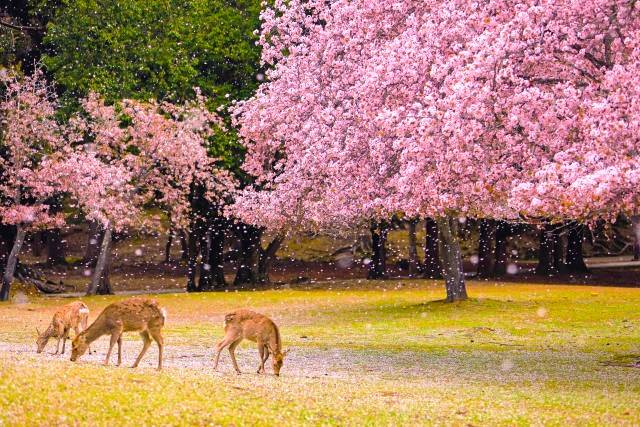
point(390, 353)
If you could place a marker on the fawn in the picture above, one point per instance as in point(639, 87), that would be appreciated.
point(70, 316)
point(134, 314)
point(247, 324)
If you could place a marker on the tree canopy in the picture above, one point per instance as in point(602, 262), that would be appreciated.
point(158, 49)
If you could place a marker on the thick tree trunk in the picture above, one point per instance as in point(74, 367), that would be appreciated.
point(7, 237)
point(37, 243)
point(266, 259)
point(184, 249)
point(451, 259)
point(250, 237)
point(486, 252)
point(212, 252)
point(546, 253)
point(192, 262)
point(559, 251)
point(431, 268)
point(55, 248)
point(100, 283)
point(414, 262)
point(204, 281)
point(93, 244)
point(12, 262)
point(575, 260)
point(378, 265)
point(501, 257)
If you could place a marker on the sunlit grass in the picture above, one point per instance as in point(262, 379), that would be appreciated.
point(363, 353)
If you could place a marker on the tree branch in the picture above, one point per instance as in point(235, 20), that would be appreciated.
point(21, 28)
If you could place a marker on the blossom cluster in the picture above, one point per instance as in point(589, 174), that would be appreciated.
point(494, 108)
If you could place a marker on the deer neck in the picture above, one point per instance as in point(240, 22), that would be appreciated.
point(275, 345)
point(95, 331)
point(50, 332)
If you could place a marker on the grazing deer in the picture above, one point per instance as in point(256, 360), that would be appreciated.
point(70, 316)
point(247, 324)
point(134, 314)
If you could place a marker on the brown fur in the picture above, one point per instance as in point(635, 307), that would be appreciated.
point(70, 316)
point(134, 314)
point(256, 327)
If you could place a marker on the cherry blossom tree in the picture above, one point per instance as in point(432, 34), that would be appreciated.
point(30, 138)
point(159, 149)
point(490, 109)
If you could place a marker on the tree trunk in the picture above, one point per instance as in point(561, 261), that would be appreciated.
point(250, 237)
point(266, 259)
point(192, 259)
point(501, 257)
point(635, 225)
point(55, 248)
point(575, 261)
point(212, 252)
point(486, 241)
point(559, 251)
point(93, 244)
point(184, 249)
point(414, 262)
point(12, 261)
point(451, 259)
point(167, 247)
point(100, 280)
point(204, 281)
point(432, 268)
point(7, 238)
point(37, 243)
point(546, 254)
point(378, 265)
point(104, 287)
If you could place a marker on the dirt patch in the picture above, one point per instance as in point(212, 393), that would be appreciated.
point(300, 362)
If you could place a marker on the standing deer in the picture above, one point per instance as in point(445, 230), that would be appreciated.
point(70, 316)
point(247, 324)
point(134, 314)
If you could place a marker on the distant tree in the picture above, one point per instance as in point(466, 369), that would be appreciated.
point(31, 141)
point(158, 151)
point(153, 49)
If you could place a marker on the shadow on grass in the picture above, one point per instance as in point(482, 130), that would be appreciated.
point(623, 360)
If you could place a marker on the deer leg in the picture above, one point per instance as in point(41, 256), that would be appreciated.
point(145, 346)
point(57, 345)
point(219, 347)
point(147, 342)
point(264, 355)
point(65, 337)
point(119, 350)
point(157, 336)
point(115, 335)
point(232, 349)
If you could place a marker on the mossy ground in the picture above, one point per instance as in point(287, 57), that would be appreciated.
point(362, 353)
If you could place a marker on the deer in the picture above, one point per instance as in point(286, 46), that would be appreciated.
point(256, 327)
point(134, 314)
point(70, 316)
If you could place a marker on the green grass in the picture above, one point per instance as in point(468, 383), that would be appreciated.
point(391, 354)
